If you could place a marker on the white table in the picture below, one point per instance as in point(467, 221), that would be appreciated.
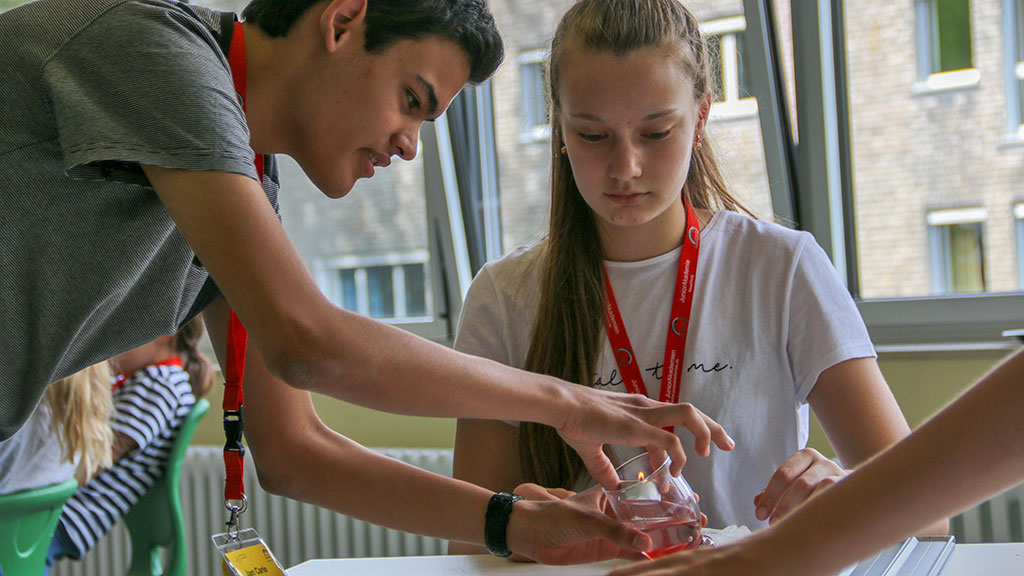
point(966, 560)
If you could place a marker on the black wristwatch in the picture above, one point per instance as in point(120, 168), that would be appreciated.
point(496, 523)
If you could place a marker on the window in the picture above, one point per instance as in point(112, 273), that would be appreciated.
point(535, 120)
point(897, 146)
point(385, 291)
point(1016, 35)
point(1018, 212)
point(728, 72)
point(957, 251)
point(944, 54)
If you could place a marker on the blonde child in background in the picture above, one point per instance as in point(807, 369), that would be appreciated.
point(67, 436)
point(158, 385)
point(642, 225)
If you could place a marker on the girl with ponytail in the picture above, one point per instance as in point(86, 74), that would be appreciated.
point(157, 385)
point(653, 279)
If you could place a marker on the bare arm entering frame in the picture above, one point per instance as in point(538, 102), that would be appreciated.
point(971, 450)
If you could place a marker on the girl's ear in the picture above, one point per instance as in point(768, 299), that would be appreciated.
point(338, 20)
point(702, 115)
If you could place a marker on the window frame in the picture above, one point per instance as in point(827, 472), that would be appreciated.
point(1013, 55)
point(1018, 214)
point(734, 104)
point(331, 285)
point(939, 247)
point(929, 78)
point(822, 175)
point(530, 130)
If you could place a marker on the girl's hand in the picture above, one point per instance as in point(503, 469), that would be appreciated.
point(800, 477)
point(596, 417)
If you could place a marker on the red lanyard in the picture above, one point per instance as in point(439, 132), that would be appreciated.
point(172, 361)
point(679, 323)
point(234, 451)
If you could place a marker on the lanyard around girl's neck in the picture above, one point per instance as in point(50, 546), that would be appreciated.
point(234, 451)
point(171, 361)
point(679, 322)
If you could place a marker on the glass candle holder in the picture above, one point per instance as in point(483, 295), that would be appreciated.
point(652, 500)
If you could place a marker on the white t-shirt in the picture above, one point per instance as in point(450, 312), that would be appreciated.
point(33, 458)
point(769, 315)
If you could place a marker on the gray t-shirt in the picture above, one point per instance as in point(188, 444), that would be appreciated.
point(91, 265)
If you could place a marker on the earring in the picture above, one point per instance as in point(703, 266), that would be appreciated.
point(699, 144)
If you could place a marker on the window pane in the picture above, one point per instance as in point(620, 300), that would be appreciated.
point(1020, 245)
point(916, 152)
point(348, 297)
point(381, 292)
point(415, 290)
point(535, 105)
point(964, 259)
point(715, 65)
point(741, 67)
point(953, 34)
point(1019, 30)
point(1019, 13)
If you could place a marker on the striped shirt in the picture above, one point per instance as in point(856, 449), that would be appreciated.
point(91, 265)
point(149, 408)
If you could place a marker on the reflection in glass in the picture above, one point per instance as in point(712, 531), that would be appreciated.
point(959, 258)
point(380, 291)
point(951, 35)
point(415, 290)
point(348, 296)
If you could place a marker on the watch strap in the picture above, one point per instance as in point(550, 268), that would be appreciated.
point(499, 508)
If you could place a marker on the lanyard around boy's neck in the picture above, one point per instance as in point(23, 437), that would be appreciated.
point(234, 451)
point(678, 325)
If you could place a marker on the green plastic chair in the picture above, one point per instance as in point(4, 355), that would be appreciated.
point(27, 521)
point(156, 521)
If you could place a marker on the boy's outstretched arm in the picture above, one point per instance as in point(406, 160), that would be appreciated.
point(297, 456)
point(307, 342)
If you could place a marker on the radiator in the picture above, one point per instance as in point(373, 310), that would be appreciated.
point(298, 532)
point(295, 531)
point(1000, 519)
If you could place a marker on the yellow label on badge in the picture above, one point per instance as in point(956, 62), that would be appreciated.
point(254, 560)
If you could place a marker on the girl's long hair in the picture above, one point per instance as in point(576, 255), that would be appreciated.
point(198, 366)
point(80, 406)
point(566, 335)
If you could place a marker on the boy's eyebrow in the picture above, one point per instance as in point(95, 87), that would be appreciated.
point(593, 118)
point(431, 97)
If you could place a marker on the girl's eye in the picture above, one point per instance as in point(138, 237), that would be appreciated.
point(590, 137)
point(414, 102)
point(658, 135)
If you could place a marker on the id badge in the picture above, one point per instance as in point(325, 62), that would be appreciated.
point(246, 554)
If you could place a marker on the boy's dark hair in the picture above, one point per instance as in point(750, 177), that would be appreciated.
point(467, 23)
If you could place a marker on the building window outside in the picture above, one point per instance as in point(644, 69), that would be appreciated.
point(1019, 65)
point(944, 54)
point(1018, 212)
point(957, 250)
point(387, 291)
point(536, 115)
point(729, 77)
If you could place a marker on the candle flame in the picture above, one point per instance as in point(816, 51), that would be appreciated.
point(640, 476)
